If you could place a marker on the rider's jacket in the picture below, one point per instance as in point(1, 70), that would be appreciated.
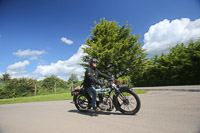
point(91, 77)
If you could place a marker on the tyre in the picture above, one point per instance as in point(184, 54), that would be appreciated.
point(127, 102)
point(82, 103)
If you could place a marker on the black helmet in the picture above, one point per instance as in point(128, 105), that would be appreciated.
point(92, 60)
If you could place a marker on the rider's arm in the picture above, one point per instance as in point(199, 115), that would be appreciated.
point(103, 75)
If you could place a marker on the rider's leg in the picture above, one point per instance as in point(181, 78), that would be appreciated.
point(94, 96)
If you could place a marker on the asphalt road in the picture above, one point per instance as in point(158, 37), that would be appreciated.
point(191, 88)
point(161, 112)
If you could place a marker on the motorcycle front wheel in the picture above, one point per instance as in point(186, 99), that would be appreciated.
point(128, 102)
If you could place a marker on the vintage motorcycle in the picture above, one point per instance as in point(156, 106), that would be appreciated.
point(111, 96)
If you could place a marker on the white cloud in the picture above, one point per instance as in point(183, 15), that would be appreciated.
point(31, 54)
point(67, 41)
point(15, 70)
point(1, 74)
point(167, 34)
point(63, 69)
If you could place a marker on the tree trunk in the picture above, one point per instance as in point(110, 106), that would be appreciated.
point(35, 89)
point(55, 87)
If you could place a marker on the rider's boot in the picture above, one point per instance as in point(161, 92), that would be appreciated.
point(95, 108)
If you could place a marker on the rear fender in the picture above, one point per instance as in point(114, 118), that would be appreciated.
point(81, 92)
point(75, 92)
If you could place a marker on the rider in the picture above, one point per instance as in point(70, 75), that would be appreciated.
point(91, 80)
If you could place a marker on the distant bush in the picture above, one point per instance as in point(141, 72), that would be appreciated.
point(17, 88)
point(181, 66)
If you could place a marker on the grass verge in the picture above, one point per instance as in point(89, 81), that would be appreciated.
point(140, 91)
point(52, 97)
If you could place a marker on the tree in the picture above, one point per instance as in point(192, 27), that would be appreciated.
point(178, 67)
point(73, 78)
point(49, 83)
point(17, 88)
point(185, 62)
point(6, 77)
point(117, 51)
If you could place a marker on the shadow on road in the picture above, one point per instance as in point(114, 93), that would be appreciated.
point(93, 113)
point(1, 130)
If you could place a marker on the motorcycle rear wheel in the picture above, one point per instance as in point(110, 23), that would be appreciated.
point(82, 103)
point(128, 102)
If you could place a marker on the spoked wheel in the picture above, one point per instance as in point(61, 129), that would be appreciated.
point(82, 103)
point(128, 102)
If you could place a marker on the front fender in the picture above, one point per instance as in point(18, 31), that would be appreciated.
point(125, 89)
point(122, 89)
point(115, 101)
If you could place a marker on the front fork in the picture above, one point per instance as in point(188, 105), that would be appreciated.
point(118, 94)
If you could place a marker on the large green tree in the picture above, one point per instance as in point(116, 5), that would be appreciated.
point(118, 51)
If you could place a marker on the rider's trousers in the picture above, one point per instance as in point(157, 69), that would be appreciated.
point(94, 95)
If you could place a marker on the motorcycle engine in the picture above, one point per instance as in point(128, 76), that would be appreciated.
point(104, 106)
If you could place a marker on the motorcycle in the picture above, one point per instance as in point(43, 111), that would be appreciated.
point(112, 96)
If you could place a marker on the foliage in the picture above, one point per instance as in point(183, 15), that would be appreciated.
point(73, 78)
point(22, 87)
point(117, 51)
point(17, 88)
point(5, 78)
point(179, 67)
point(52, 82)
point(74, 82)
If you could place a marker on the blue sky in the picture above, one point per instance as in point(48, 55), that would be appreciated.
point(40, 38)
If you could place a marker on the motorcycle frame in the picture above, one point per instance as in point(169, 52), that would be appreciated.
point(114, 90)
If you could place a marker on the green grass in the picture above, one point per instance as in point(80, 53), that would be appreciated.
point(140, 91)
point(51, 97)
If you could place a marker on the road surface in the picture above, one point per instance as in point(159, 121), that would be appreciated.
point(161, 112)
point(191, 88)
